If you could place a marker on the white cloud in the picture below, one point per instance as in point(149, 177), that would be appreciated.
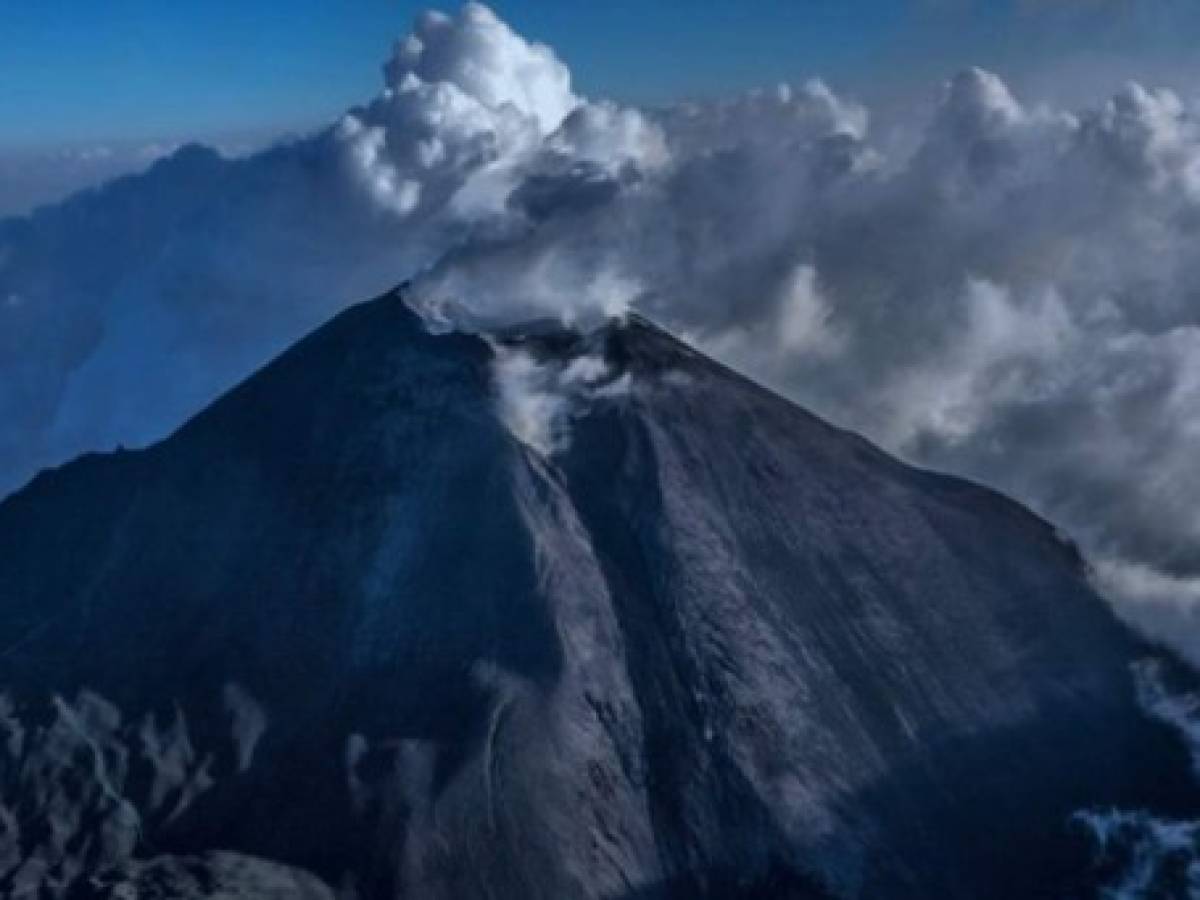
point(367, 148)
point(480, 56)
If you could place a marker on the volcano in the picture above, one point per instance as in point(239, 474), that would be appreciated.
point(379, 624)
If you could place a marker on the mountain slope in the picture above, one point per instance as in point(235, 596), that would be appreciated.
point(345, 625)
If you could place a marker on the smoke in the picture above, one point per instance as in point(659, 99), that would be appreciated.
point(1010, 293)
point(537, 399)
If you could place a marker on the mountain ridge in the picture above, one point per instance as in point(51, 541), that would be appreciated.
point(708, 646)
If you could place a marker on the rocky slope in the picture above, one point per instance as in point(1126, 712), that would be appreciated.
point(544, 615)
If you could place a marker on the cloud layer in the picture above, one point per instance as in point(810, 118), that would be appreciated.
point(1012, 295)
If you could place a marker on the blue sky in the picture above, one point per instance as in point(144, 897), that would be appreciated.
point(144, 69)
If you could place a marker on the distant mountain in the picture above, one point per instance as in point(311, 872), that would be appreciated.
point(544, 614)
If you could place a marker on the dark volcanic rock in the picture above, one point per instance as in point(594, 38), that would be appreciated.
point(345, 634)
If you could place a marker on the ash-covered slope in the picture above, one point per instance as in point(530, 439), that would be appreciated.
point(345, 634)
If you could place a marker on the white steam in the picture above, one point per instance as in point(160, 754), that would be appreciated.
point(1012, 293)
point(537, 399)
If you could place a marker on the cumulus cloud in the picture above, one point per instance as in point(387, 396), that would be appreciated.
point(483, 58)
point(1011, 294)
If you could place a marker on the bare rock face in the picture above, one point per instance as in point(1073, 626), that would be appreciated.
point(83, 787)
point(542, 615)
point(227, 876)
